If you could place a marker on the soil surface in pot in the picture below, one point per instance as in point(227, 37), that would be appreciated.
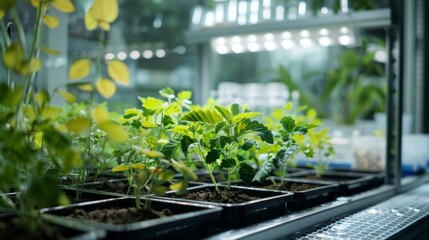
point(223, 196)
point(13, 229)
point(116, 187)
point(294, 187)
point(119, 215)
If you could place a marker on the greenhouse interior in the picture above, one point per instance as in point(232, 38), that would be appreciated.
point(214, 119)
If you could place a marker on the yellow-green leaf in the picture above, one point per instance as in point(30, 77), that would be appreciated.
point(28, 67)
point(87, 87)
point(184, 95)
point(152, 153)
point(244, 115)
point(41, 97)
point(288, 106)
point(121, 168)
point(29, 113)
point(173, 109)
point(51, 21)
point(180, 186)
point(50, 51)
point(184, 169)
point(118, 71)
point(35, 3)
point(311, 113)
point(50, 112)
point(1, 14)
point(80, 69)
point(69, 97)
point(140, 166)
point(65, 6)
point(105, 87)
point(63, 200)
point(13, 56)
point(152, 103)
point(148, 124)
point(182, 130)
point(78, 125)
point(159, 190)
point(100, 115)
point(115, 132)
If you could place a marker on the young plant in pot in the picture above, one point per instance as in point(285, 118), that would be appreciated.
point(219, 135)
point(34, 148)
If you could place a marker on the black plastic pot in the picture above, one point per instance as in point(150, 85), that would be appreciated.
point(67, 230)
point(235, 214)
point(378, 176)
point(189, 220)
point(349, 182)
point(88, 195)
point(318, 193)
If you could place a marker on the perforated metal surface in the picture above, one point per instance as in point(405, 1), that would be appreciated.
point(380, 221)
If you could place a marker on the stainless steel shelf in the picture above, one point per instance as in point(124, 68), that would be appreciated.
point(365, 19)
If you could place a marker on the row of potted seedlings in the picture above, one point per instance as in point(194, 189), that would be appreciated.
point(57, 163)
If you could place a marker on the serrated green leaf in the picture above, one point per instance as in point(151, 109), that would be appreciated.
point(242, 116)
point(236, 109)
point(173, 109)
point(264, 170)
point(226, 114)
point(261, 130)
point(228, 163)
point(246, 172)
point(288, 124)
point(212, 156)
point(286, 153)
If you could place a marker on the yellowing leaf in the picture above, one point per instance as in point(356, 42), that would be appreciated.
point(180, 186)
point(51, 21)
point(288, 106)
point(65, 6)
point(115, 132)
point(104, 25)
point(105, 87)
point(182, 130)
point(50, 112)
point(13, 56)
point(138, 166)
point(50, 51)
point(69, 97)
point(35, 3)
point(37, 139)
point(80, 69)
point(148, 124)
point(299, 139)
point(104, 10)
point(87, 87)
point(100, 115)
point(173, 109)
point(184, 95)
point(90, 22)
point(1, 14)
point(34, 65)
point(78, 125)
point(152, 153)
point(311, 113)
point(63, 200)
point(118, 71)
point(121, 168)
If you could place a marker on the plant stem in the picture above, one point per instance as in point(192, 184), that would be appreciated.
point(208, 169)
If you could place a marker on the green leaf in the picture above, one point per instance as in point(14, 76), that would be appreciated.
point(199, 115)
point(159, 190)
point(288, 124)
point(219, 126)
point(246, 173)
point(226, 114)
point(301, 130)
point(264, 170)
point(248, 144)
point(242, 116)
point(261, 130)
point(185, 142)
point(152, 103)
point(236, 109)
point(212, 156)
point(121, 168)
point(286, 153)
point(169, 149)
point(228, 163)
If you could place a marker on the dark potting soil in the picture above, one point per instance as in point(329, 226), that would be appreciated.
point(294, 187)
point(119, 215)
point(13, 229)
point(223, 196)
